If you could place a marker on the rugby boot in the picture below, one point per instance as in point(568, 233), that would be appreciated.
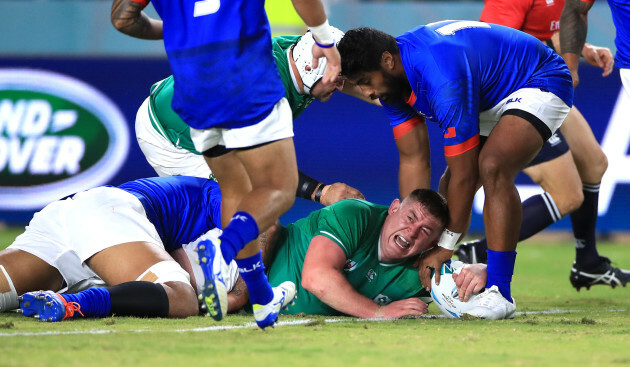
point(47, 306)
point(283, 296)
point(604, 274)
point(470, 253)
point(214, 291)
point(491, 305)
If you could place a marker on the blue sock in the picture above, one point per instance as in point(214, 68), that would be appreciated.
point(583, 221)
point(94, 302)
point(241, 230)
point(252, 271)
point(500, 271)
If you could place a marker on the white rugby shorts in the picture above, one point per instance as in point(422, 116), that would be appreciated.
point(68, 232)
point(546, 106)
point(276, 126)
point(166, 158)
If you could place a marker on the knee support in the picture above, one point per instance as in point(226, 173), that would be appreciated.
point(165, 271)
point(8, 295)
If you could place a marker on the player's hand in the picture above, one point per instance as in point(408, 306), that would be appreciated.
point(600, 57)
point(339, 191)
point(405, 307)
point(333, 67)
point(432, 259)
point(471, 279)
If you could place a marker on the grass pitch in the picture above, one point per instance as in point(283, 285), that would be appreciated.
point(555, 326)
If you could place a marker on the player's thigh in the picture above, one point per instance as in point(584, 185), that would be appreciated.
point(512, 143)
point(273, 164)
point(126, 262)
point(233, 181)
point(28, 272)
point(587, 153)
point(559, 177)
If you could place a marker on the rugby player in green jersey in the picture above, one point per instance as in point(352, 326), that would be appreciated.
point(358, 258)
point(165, 138)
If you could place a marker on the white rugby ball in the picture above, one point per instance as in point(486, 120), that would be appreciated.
point(445, 295)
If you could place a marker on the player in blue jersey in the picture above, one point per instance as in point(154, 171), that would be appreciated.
point(573, 28)
point(497, 94)
point(119, 236)
point(228, 90)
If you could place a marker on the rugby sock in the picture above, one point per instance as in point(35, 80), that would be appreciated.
point(539, 212)
point(583, 221)
point(252, 270)
point(500, 271)
point(94, 302)
point(241, 230)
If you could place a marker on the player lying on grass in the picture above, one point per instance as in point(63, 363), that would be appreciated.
point(120, 236)
point(165, 138)
point(357, 258)
point(54, 253)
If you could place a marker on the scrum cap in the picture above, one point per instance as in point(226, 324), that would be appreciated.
point(303, 57)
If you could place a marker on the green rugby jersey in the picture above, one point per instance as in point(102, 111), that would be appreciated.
point(355, 226)
point(173, 128)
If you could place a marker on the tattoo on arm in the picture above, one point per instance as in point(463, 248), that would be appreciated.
point(574, 26)
point(127, 16)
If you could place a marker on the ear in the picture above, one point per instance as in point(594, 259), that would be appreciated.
point(394, 206)
point(388, 61)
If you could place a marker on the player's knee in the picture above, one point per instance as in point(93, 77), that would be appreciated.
point(8, 294)
point(494, 171)
point(176, 281)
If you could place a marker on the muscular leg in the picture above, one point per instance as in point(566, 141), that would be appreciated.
point(260, 185)
point(26, 272)
point(126, 262)
point(512, 144)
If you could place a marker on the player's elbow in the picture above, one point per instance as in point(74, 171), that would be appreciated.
point(313, 283)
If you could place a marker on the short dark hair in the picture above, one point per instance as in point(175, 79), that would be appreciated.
point(361, 50)
point(434, 202)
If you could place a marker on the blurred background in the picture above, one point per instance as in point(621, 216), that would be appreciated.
point(70, 86)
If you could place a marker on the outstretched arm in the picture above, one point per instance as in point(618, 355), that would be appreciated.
point(573, 29)
point(322, 275)
point(415, 158)
point(127, 16)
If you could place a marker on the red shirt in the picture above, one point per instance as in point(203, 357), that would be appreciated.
point(540, 18)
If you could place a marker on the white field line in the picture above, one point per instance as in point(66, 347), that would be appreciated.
point(253, 325)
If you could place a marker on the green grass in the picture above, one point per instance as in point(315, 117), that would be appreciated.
point(592, 329)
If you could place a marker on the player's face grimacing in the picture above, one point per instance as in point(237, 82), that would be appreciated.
point(408, 230)
point(323, 91)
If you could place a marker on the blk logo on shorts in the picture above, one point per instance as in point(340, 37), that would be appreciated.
point(517, 100)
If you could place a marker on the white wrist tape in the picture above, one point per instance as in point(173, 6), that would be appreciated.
point(448, 239)
point(323, 33)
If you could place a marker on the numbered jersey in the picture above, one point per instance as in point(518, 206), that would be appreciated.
point(220, 55)
point(457, 69)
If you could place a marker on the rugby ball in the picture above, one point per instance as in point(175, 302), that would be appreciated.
point(445, 295)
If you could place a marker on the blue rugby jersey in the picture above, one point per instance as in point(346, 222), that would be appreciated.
point(457, 69)
point(181, 208)
point(621, 17)
point(221, 58)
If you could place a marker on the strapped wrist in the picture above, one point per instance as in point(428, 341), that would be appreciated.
point(448, 239)
point(323, 35)
point(318, 192)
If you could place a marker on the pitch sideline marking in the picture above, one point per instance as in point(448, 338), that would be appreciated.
point(253, 325)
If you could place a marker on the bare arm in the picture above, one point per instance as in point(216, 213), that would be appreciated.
point(573, 29)
point(322, 275)
point(415, 160)
point(127, 16)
